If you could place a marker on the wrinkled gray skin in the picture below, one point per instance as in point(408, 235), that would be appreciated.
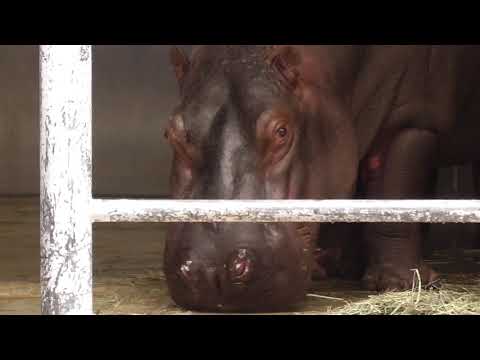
point(309, 122)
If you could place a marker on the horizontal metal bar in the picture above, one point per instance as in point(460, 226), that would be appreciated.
point(294, 211)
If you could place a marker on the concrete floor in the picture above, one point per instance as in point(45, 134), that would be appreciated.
point(128, 276)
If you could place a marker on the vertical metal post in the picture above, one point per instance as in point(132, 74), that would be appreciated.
point(66, 179)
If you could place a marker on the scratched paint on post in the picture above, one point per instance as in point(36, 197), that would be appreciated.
point(65, 188)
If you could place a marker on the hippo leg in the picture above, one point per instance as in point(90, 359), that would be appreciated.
point(339, 253)
point(402, 170)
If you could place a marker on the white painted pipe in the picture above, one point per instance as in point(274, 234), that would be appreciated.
point(326, 211)
point(66, 179)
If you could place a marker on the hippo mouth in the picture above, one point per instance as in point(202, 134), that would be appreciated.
point(270, 278)
point(242, 298)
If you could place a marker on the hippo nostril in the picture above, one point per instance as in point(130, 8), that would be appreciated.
point(186, 270)
point(241, 266)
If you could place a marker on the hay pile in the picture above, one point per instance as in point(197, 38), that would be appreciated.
point(146, 293)
point(448, 300)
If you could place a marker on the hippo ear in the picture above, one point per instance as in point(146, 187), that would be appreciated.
point(180, 62)
point(285, 59)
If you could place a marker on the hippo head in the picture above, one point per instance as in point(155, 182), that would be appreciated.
point(250, 127)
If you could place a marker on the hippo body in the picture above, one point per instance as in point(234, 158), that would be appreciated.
point(311, 122)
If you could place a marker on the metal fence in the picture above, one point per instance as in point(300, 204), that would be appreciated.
point(68, 209)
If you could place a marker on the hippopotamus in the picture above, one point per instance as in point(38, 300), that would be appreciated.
point(309, 122)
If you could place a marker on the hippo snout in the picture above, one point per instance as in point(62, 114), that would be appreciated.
point(242, 283)
point(206, 287)
point(244, 268)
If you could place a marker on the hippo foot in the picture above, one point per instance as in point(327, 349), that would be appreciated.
point(384, 278)
point(324, 263)
point(319, 272)
point(334, 263)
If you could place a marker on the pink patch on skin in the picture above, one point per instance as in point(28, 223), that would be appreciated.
point(375, 163)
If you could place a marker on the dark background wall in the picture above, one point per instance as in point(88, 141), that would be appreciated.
point(19, 130)
point(134, 92)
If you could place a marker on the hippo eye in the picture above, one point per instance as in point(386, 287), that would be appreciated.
point(176, 136)
point(181, 140)
point(282, 132)
point(282, 135)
